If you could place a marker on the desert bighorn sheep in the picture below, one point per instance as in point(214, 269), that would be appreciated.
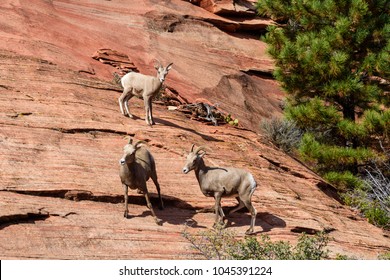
point(136, 84)
point(137, 165)
point(221, 182)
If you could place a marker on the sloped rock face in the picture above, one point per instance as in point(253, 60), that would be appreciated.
point(253, 92)
point(62, 135)
point(69, 33)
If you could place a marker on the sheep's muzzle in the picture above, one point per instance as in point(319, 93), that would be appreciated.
point(186, 170)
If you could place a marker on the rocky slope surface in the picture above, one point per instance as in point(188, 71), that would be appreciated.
point(61, 132)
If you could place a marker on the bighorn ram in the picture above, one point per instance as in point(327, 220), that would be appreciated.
point(136, 84)
point(221, 182)
point(137, 165)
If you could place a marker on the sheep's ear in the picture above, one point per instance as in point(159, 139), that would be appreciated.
point(139, 144)
point(169, 66)
point(200, 155)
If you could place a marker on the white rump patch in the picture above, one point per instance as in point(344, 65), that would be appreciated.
point(252, 182)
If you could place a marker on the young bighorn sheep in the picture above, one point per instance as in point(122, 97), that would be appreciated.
point(221, 182)
point(136, 84)
point(137, 165)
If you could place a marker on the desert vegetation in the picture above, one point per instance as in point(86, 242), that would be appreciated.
point(222, 244)
point(333, 61)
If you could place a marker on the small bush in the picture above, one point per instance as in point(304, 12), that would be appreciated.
point(340, 257)
point(343, 180)
point(252, 249)
point(214, 244)
point(384, 256)
point(369, 208)
point(377, 215)
point(372, 196)
point(312, 248)
point(222, 245)
point(230, 120)
point(283, 133)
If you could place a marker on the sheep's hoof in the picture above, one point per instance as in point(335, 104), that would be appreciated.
point(126, 215)
point(159, 222)
point(128, 115)
point(150, 123)
point(249, 232)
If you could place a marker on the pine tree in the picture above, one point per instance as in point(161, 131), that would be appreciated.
point(333, 60)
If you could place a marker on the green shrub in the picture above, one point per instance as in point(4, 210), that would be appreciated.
point(342, 257)
point(331, 157)
point(377, 215)
point(213, 244)
point(222, 245)
point(230, 120)
point(264, 249)
point(312, 247)
point(384, 256)
point(371, 209)
point(343, 180)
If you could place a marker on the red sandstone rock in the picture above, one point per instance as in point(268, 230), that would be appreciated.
point(229, 7)
point(118, 60)
point(62, 135)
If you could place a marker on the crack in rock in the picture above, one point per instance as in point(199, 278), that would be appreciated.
point(286, 169)
point(80, 195)
point(90, 130)
point(311, 231)
point(26, 218)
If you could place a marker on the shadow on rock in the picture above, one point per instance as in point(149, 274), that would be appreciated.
point(205, 137)
point(176, 211)
point(265, 220)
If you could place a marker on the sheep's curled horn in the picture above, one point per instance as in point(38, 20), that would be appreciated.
point(203, 148)
point(159, 63)
point(136, 145)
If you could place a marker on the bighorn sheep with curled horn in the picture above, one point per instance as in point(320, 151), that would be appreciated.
point(137, 165)
point(221, 182)
point(136, 84)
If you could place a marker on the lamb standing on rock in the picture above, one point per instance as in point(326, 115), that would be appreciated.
point(136, 84)
point(137, 165)
point(221, 182)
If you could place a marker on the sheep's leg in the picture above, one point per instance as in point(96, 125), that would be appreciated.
point(122, 98)
point(126, 200)
point(126, 104)
point(157, 220)
point(252, 210)
point(238, 207)
point(147, 110)
point(151, 112)
point(219, 215)
point(154, 178)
